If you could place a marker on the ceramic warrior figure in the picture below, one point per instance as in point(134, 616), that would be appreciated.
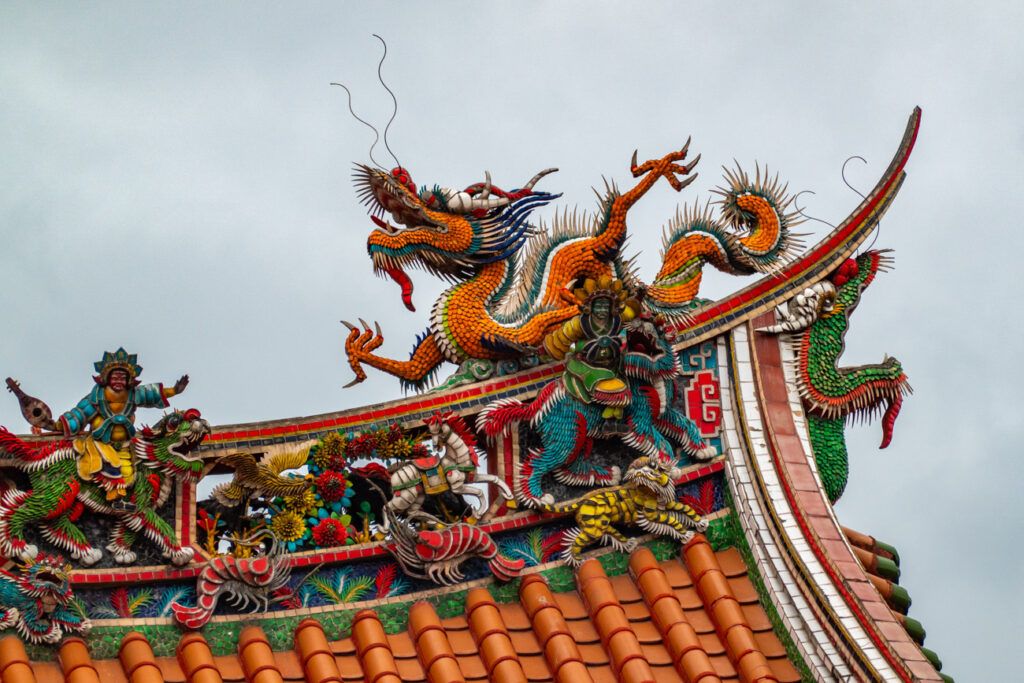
point(106, 419)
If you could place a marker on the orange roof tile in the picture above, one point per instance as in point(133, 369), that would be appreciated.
point(726, 614)
point(76, 663)
point(664, 622)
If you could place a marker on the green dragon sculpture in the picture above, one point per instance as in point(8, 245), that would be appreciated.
point(55, 497)
point(819, 318)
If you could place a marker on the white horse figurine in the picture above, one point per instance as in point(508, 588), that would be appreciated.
point(454, 471)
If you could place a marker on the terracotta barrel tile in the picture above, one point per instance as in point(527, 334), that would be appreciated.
point(492, 638)
point(76, 663)
point(636, 671)
point(196, 660)
point(256, 657)
point(560, 649)
point(445, 670)
point(318, 662)
point(725, 613)
point(575, 672)
point(371, 646)
point(699, 557)
point(549, 622)
point(739, 642)
point(535, 595)
point(713, 585)
point(462, 642)
point(14, 662)
point(590, 569)
point(653, 586)
point(137, 659)
point(666, 612)
point(698, 667)
point(435, 652)
point(609, 621)
point(623, 647)
point(755, 669)
point(508, 671)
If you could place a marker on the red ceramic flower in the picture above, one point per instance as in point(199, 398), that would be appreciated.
point(329, 532)
point(331, 486)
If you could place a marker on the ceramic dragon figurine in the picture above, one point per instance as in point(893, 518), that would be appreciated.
point(36, 602)
point(512, 285)
point(164, 454)
point(819, 317)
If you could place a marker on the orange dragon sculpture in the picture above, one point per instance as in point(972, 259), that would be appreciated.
point(513, 282)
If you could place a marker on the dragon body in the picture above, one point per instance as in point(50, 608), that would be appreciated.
point(164, 454)
point(819, 318)
point(511, 284)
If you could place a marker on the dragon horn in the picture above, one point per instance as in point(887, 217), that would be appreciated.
point(486, 192)
point(533, 181)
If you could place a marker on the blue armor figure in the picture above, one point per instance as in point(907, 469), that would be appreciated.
point(107, 418)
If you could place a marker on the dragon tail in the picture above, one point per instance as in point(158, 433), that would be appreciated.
point(752, 236)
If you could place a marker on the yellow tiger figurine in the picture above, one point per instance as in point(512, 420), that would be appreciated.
point(647, 499)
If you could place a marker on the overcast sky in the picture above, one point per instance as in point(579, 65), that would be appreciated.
point(176, 179)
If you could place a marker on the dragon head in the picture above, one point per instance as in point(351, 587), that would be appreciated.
point(46, 578)
point(170, 444)
point(446, 232)
point(654, 474)
point(648, 353)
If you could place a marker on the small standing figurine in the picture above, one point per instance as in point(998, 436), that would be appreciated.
point(107, 418)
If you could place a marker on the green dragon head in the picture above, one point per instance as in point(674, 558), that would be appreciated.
point(170, 445)
point(446, 232)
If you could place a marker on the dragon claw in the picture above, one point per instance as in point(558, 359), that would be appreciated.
point(349, 325)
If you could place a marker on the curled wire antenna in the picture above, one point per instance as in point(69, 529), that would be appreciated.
point(394, 99)
point(843, 173)
point(376, 134)
point(878, 228)
point(800, 210)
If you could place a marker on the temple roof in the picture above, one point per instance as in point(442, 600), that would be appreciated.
point(693, 618)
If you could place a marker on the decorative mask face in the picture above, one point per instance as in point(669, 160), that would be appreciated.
point(118, 380)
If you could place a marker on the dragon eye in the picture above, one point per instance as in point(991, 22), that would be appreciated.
point(173, 420)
